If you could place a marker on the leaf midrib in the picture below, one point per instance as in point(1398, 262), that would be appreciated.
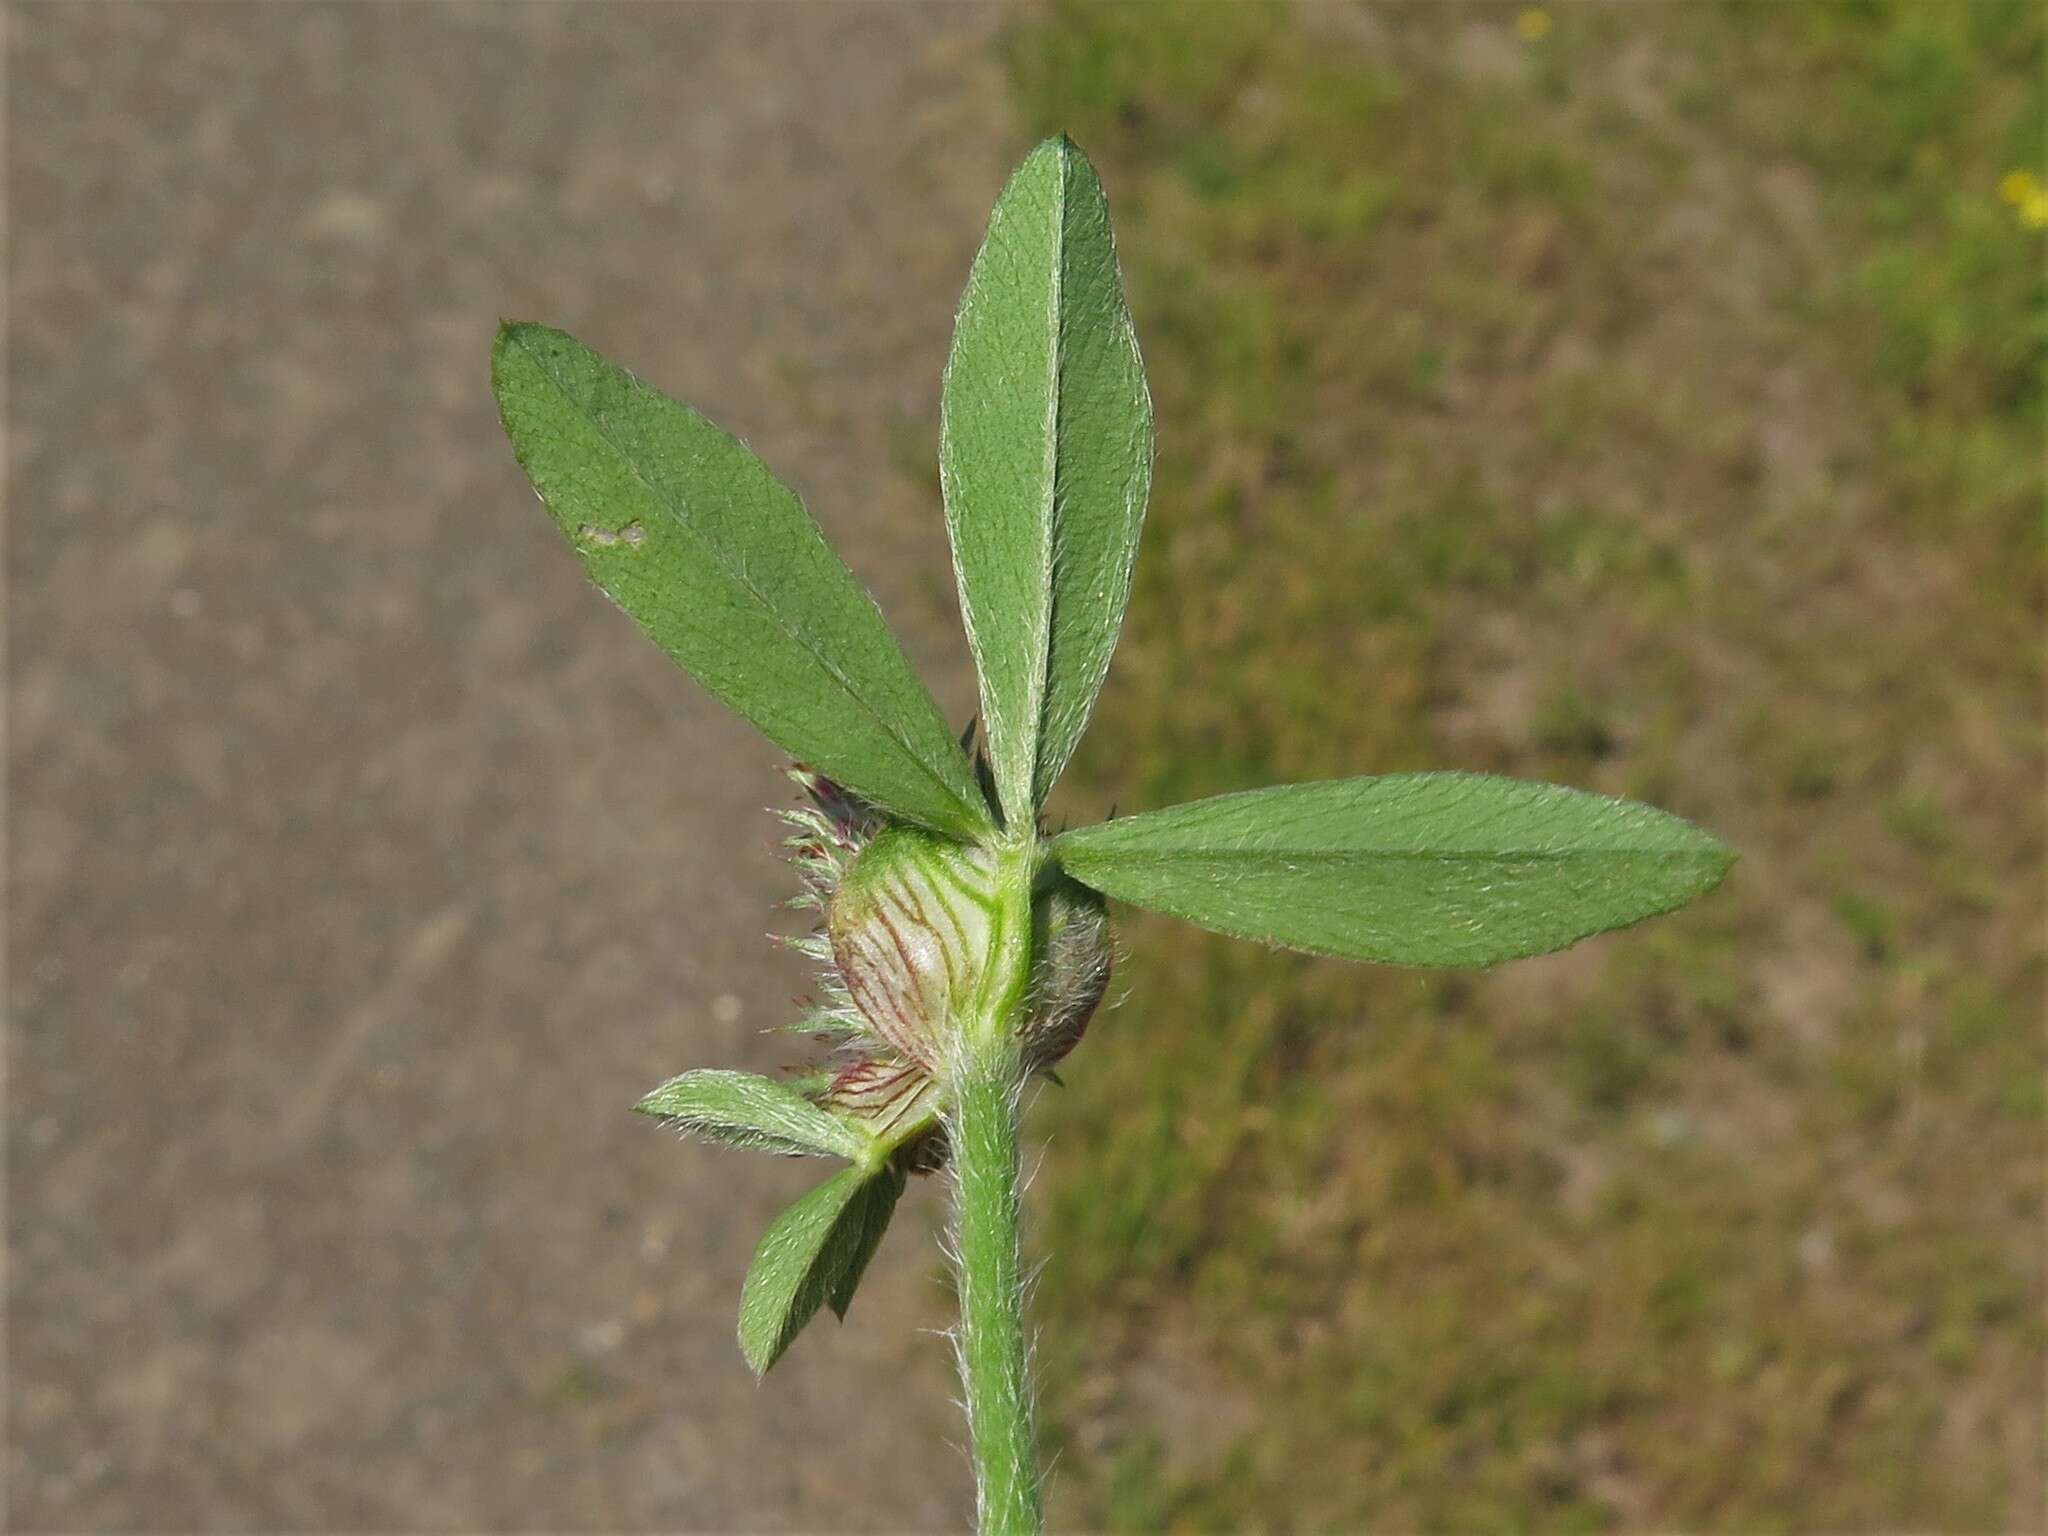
point(1041, 663)
point(1352, 855)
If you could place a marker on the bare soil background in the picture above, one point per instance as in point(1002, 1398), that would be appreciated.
point(365, 864)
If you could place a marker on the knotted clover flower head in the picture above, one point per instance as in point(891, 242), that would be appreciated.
point(904, 941)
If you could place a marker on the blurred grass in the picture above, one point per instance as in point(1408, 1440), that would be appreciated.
point(1652, 402)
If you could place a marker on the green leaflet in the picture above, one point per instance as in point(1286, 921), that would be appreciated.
point(722, 567)
point(867, 1219)
point(1045, 454)
point(743, 1110)
point(1449, 869)
point(814, 1252)
point(818, 1249)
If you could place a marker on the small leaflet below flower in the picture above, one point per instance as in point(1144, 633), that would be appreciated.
point(742, 1110)
point(814, 1254)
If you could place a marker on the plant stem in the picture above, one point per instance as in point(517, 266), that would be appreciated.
point(987, 1085)
point(994, 1364)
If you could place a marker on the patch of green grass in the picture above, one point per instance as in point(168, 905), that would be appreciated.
point(1868, 921)
point(1571, 725)
point(1655, 406)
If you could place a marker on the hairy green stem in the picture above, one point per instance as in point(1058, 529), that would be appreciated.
point(995, 1368)
point(994, 1364)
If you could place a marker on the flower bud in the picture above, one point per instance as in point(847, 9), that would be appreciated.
point(912, 928)
point(1070, 961)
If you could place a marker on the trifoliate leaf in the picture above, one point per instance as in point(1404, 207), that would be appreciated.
point(722, 567)
point(1045, 455)
point(742, 1110)
point(1437, 869)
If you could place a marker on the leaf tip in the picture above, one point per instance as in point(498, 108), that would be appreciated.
point(511, 337)
point(520, 335)
point(1062, 153)
point(659, 1101)
point(509, 331)
point(760, 1358)
point(1716, 856)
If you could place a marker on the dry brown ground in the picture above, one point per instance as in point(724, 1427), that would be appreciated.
point(365, 865)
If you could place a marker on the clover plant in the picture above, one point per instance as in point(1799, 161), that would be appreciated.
point(962, 947)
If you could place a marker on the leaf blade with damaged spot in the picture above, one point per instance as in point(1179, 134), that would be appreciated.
point(719, 563)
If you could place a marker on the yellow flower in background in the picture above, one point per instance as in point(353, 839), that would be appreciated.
point(1533, 25)
point(2016, 187)
point(2024, 191)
